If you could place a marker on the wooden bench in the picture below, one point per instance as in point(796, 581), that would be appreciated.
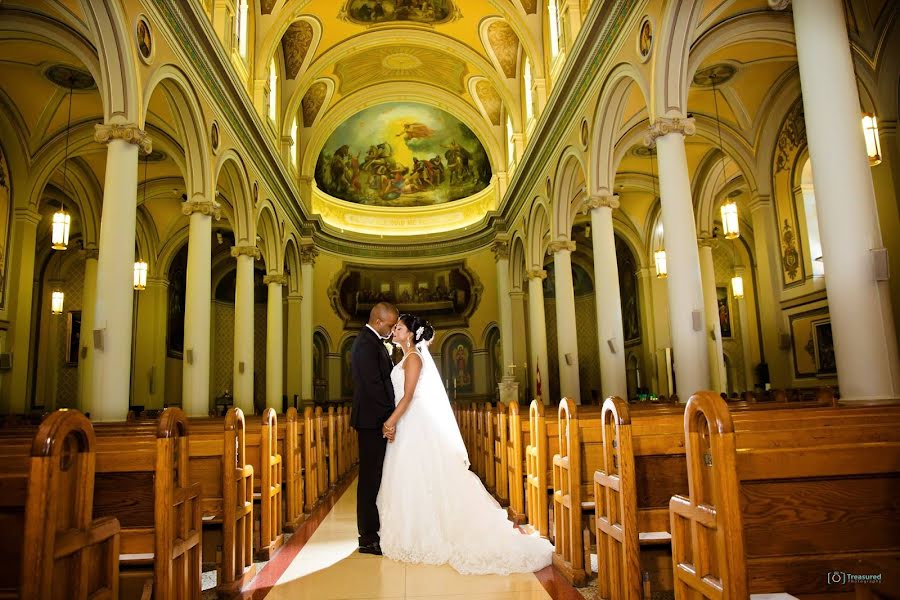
point(52, 546)
point(311, 456)
point(486, 446)
point(537, 461)
point(515, 463)
point(293, 470)
point(776, 511)
point(266, 461)
point(144, 481)
point(500, 464)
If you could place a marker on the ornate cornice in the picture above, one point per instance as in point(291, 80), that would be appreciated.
point(308, 255)
point(210, 208)
point(561, 246)
point(500, 250)
point(600, 201)
point(665, 125)
point(245, 250)
point(536, 274)
point(276, 278)
point(130, 133)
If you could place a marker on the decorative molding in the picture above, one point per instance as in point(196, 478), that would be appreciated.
point(276, 278)
point(665, 125)
point(27, 215)
point(759, 202)
point(308, 255)
point(209, 208)
point(500, 250)
point(245, 250)
point(707, 241)
point(791, 137)
point(560, 246)
point(130, 133)
point(600, 201)
point(536, 274)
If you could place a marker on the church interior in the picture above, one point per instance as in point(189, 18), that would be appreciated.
point(658, 242)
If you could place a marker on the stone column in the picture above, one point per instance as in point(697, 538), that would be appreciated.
point(537, 324)
point(85, 347)
point(717, 375)
point(611, 338)
point(24, 238)
point(520, 350)
point(308, 256)
point(294, 358)
point(743, 317)
point(274, 341)
point(651, 323)
point(197, 308)
point(504, 303)
point(245, 254)
point(148, 381)
point(566, 327)
point(686, 319)
point(861, 316)
point(114, 310)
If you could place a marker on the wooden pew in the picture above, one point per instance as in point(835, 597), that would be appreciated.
point(267, 462)
point(293, 470)
point(321, 425)
point(488, 472)
point(52, 546)
point(515, 464)
point(499, 433)
point(238, 567)
point(311, 457)
point(568, 555)
point(777, 511)
point(536, 462)
point(145, 482)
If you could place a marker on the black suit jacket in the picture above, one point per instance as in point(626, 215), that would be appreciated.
point(373, 392)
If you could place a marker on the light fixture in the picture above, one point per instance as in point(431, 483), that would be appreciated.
point(873, 145)
point(662, 270)
point(729, 209)
point(730, 220)
point(56, 302)
point(59, 235)
point(737, 287)
point(140, 275)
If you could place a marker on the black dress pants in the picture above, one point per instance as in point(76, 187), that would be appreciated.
point(372, 446)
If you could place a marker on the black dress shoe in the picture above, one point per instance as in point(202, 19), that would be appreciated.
point(371, 549)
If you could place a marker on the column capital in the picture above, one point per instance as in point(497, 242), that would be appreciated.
point(209, 208)
point(610, 201)
point(707, 241)
point(245, 250)
point(536, 274)
point(276, 278)
point(128, 132)
point(91, 253)
point(286, 139)
point(759, 201)
point(779, 4)
point(561, 246)
point(739, 270)
point(308, 255)
point(645, 273)
point(665, 125)
point(292, 298)
point(157, 281)
point(500, 250)
point(28, 215)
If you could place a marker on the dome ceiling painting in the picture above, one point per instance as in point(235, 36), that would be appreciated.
point(402, 154)
point(374, 12)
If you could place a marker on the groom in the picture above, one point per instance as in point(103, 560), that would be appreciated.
point(373, 403)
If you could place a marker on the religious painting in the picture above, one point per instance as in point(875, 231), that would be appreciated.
point(214, 136)
point(176, 304)
point(581, 280)
point(373, 12)
point(645, 39)
point(495, 347)
point(445, 294)
point(320, 376)
point(805, 344)
point(458, 367)
point(5, 218)
point(724, 311)
point(402, 154)
point(73, 337)
point(825, 361)
point(346, 372)
point(628, 291)
point(144, 39)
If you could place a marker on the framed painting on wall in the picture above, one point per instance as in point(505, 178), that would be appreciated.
point(824, 345)
point(73, 337)
point(724, 311)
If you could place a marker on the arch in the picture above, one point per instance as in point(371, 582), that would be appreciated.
point(275, 34)
point(710, 185)
point(231, 165)
point(610, 109)
point(484, 35)
point(147, 241)
point(670, 58)
point(291, 251)
point(570, 187)
point(269, 234)
point(538, 236)
point(517, 262)
point(186, 108)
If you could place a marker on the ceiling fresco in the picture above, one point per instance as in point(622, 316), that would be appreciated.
point(369, 12)
point(402, 154)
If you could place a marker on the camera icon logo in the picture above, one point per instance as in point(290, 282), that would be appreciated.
point(836, 577)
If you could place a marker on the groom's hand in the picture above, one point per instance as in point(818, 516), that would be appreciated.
point(388, 432)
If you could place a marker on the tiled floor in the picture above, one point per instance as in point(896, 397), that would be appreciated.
point(328, 567)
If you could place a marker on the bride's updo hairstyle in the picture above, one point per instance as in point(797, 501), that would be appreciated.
point(421, 329)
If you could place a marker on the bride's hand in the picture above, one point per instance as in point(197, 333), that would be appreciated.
point(389, 430)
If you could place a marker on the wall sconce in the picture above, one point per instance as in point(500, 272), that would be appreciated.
point(662, 270)
point(140, 275)
point(873, 145)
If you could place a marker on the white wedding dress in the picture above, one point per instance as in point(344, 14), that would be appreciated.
point(433, 510)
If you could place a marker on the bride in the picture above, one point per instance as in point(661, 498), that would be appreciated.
point(433, 510)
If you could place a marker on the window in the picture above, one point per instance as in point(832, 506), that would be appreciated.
point(273, 91)
point(294, 142)
point(812, 219)
point(510, 146)
point(529, 95)
point(556, 39)
point(241, 27)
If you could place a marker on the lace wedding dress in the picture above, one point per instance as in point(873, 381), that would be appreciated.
point(434, 510)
